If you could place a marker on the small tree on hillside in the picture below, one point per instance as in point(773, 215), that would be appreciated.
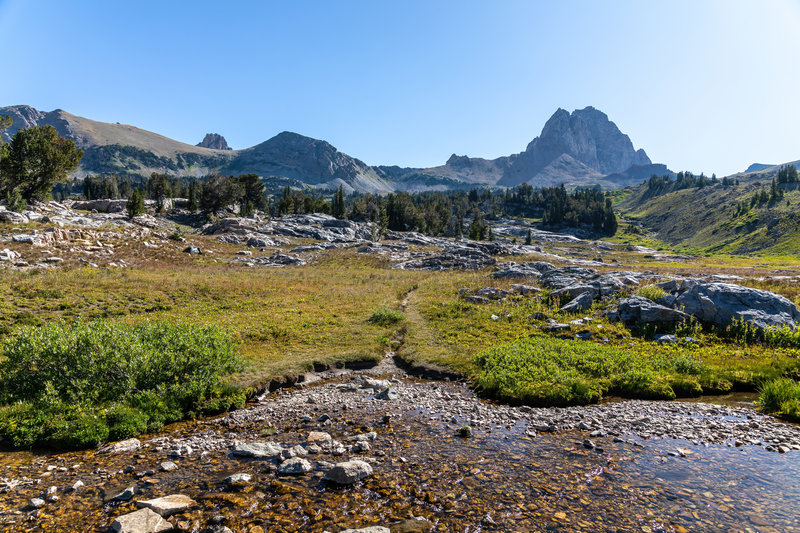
point(219, 192)
point(194, 204)
point(338, 208)
point(135, 204)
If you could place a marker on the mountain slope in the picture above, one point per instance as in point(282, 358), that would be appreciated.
point(720, 217)
point(313, 161)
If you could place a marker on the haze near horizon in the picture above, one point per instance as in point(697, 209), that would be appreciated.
point(704, 86)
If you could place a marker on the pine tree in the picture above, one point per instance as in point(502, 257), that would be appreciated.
point(194, 204)
point(135, 204)
point(528, 238)
point(338, 208)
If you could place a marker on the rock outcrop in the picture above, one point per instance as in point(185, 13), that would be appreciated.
point(722, 303)
point(215, 141)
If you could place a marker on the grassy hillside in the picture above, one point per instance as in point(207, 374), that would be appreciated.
point(718, 218)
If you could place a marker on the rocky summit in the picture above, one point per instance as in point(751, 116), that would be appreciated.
point(214, 141)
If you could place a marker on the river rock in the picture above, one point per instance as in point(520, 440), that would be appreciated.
point(141, 521)
point(127, 445)
point(387, 394)
point(349, 472)
point(126, 494)
point(318, 438)
point(371, 529)
point(257, 450)
point(294, 466)
point(168, 505)
point(237, 481)
point(417, 524)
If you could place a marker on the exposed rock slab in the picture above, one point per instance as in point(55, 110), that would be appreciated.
point(141, 521)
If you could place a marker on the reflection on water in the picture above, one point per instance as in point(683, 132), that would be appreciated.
point(498, 481)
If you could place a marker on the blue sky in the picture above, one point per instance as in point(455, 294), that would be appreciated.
point(706, 86)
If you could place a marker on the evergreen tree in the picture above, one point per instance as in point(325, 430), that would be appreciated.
point(338, 208)
point(35, 160)
point(194, 203)
point(528, 238)
point(135, 204)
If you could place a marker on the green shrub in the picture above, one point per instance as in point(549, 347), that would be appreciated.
point(547, 371)
point(385, 317)
point(125, 422)
point(56, 380)
point(651, 292)
point(781, 397)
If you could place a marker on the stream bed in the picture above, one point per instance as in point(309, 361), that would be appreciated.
point(619, 466)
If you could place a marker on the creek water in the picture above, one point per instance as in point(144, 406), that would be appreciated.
point(498, 480)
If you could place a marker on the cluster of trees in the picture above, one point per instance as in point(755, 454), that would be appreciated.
point(584, 207)
point(33, 162)
point(659, 185)
point(787, 174)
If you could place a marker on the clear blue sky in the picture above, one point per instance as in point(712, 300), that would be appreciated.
point(707, 86)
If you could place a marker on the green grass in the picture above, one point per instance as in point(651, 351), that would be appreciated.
point(547, 371)
point(651, 292)
point(386, 317)
point(781, 397)
point(72, 386)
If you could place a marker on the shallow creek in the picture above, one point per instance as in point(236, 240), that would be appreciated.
point(511, 475)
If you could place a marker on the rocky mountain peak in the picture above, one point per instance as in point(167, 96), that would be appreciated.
point(587, 136)
point(214, 141)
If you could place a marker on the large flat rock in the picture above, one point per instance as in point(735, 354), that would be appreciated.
point(141, 521)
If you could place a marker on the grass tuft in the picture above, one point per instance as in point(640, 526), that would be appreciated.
point(386, 317)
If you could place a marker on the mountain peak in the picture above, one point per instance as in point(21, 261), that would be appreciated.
point(587, 136)
point(214, 141)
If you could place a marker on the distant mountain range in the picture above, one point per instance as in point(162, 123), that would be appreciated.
point(582, 148)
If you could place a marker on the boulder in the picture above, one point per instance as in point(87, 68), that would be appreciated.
point(167, 505)
point(13, 218)
point(722, 303)
point(238, 481)
point(556, 279)
point(294, 466)
point(141, 521)
point(579, 304)
point(575, 290)
point(348, 472)
point(256, 450)
point(639, 310)
point(127, 445)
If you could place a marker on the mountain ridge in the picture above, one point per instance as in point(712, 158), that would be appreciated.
point(578, 149)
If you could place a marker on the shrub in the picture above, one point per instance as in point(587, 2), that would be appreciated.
point(781, 397)
point(385, 317)
point(56, 380)
point(547, 371)
point(651, 292)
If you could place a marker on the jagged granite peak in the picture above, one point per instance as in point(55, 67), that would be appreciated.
point(587, 136)
point(215, 141)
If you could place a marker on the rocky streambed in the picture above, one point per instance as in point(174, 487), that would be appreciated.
point(354, 451)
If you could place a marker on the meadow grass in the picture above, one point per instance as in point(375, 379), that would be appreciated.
point(349, 307)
